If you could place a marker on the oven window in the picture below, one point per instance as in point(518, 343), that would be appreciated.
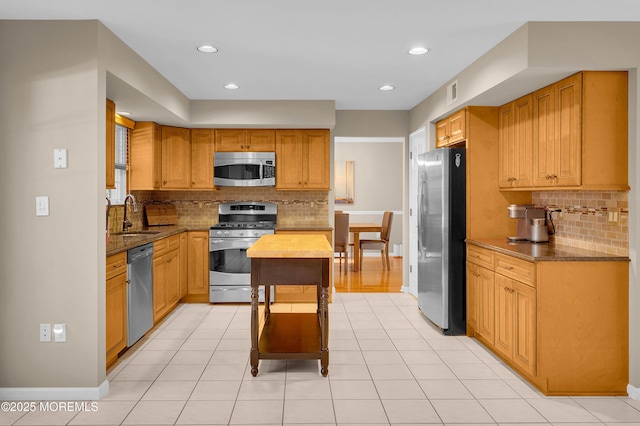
point(238, 171)
point(230, 261)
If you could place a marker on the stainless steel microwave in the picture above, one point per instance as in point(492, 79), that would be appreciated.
point(244, 169)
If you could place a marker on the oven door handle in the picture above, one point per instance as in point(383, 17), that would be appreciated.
point(219, 244)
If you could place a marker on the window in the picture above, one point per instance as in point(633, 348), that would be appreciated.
point(122, 138)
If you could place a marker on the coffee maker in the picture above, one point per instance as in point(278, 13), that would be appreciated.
point(530, 223)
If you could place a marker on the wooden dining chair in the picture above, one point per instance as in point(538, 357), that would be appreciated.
point(382, 244)
point(341, 240)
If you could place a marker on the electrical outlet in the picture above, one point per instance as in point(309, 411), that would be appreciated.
point(613, 216)
point(45, 332)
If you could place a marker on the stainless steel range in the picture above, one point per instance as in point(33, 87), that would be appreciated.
point(239, 226)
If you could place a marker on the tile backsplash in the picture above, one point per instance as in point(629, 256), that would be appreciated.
point(200, 208)
point(584, 219)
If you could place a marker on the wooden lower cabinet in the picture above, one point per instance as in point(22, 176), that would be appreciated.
point(563, 325)
point(197, 267)
point(515, 331)
point(116, 306)
point(166, 276)
point(302, 293)
point(184, 250)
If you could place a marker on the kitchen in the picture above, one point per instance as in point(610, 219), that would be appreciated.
point(88, 232)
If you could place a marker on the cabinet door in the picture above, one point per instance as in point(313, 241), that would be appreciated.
point(184, 250)
point(176, 158)
point(110, 143)
point(524, 327)
point(522, 140)
point(473, 291)
point(116, 316)
point(316, 159)
point(504, 316)
point(173, 277)
point(202, 141)
point(568, 166)
point(289, 154)
point(230, 140)
point(145, 156)
point(260, 140)
point(456, 127)
point(507, 147)
point(442, 133)
point(198, 259)
point(159, 287)
point(543, 136)
point(486, 313)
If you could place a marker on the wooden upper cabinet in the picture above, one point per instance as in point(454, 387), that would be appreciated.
point(515, 140)
point(110, 143)
point(451, 130)
point(145, 149)
point(202, 151)
point(302, 160)
point(176, 158)
point(557, 134)
point(235, 140)
point(579, 135)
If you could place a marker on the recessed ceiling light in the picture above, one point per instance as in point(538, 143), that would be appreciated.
point(207, 49)
point(123, 113)
point(231, 86)
point(418, 51)
point(386, 87)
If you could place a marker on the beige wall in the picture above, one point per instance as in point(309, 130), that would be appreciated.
point(378, 182)
point(52, 97)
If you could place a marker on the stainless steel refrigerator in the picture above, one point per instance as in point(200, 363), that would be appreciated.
point(441, 235)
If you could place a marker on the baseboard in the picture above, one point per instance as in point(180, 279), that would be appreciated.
point(55, 394)
point(634, 392)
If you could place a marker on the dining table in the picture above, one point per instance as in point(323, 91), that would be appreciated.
point(356, 228)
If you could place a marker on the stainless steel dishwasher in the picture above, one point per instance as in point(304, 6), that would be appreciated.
point(139, 292)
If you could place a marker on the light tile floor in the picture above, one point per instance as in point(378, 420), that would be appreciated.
point(388, 366)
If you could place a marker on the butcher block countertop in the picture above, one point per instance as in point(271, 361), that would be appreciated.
point(291, 246)
point(546, 252)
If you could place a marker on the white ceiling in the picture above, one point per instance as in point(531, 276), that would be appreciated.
point(340, 50)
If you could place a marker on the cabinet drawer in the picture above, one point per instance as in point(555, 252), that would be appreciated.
point(166, 245)
point(116, 264)
point(173, 242)
point(480, 256)
point(159, 247)
point(517, 269)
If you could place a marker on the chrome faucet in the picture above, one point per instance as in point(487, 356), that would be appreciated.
point(126, 223)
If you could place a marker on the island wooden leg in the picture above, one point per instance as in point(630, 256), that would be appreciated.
point(255, 324)
point(324, 318)
point(324, 333)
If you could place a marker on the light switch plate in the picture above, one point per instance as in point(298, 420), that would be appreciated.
point(60, 333)
point(42, 206)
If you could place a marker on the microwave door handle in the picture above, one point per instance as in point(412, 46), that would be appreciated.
point(261, 171)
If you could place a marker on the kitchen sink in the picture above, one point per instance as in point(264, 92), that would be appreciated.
point(134, 233)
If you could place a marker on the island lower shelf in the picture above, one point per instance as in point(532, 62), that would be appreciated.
point(291, 336)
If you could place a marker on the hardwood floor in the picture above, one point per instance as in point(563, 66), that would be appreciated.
point(370, 279)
